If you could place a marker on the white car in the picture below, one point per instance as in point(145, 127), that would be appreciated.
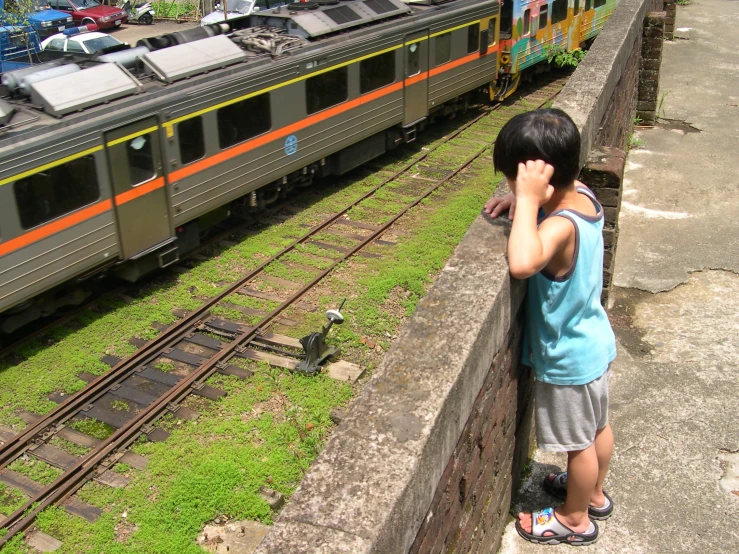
point(80, 42)
point(240, 8)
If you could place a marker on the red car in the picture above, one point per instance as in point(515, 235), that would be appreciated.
point(91, 11)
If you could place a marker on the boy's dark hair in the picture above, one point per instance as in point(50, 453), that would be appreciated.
point(548, 135)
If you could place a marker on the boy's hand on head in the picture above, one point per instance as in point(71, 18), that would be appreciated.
point(532, 181)
point(498, 204)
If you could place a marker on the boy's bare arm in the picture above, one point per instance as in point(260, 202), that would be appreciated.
point(532, 247)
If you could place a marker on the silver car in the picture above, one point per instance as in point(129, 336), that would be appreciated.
point(239, 8)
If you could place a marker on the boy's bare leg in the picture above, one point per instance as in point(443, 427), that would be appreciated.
point(582, 476)
point(604, 450)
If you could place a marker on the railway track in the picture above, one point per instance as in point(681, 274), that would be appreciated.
point(201, 344)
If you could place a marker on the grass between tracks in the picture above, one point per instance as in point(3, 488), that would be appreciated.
point(268, 429)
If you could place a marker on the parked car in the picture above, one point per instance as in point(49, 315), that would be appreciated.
point(239, 8)
point(79, 40)
point(85, 12)
point(46, 21)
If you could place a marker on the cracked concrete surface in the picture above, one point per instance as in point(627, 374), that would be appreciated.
point(680, 198)
point(675, 386)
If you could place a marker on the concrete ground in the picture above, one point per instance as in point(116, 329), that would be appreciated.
point(675, 307)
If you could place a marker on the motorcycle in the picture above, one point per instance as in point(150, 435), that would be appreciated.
point(143, 13)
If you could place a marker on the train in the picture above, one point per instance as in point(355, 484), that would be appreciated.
point(118, 164)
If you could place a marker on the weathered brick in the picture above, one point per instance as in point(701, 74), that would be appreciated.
point(646, 105)
point(608, 197)
point(650, 65)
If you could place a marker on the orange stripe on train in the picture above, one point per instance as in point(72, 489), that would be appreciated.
point(55, 227)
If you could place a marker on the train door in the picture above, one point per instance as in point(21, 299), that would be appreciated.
point(140, 197)
point(416, 83)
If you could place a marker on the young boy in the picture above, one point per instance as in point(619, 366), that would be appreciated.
point(556, 243)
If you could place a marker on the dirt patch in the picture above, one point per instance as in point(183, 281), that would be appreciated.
point(124, 530)
point(275, 406)
point(395, 304)
point(621, 316)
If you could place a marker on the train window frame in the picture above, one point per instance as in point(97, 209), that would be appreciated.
point(442, 48)
point(413, 62)
point(599, 3)
point(559, 11)
point(317, 85)
point(202, 150)
point(368, 81)
point(137, 144)
point(60, 185)
point(543, 16)
point(492, 38)
point(473, 38)
point(248, 108)
point(526, 23)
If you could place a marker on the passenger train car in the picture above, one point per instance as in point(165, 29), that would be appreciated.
point(119, 164)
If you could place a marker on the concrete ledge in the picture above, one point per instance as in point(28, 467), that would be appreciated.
point(586, 95)
point(370, 488)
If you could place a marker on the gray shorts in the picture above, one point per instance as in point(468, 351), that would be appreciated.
point(567, 416)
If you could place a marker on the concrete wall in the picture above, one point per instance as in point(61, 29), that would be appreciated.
point(432, 447)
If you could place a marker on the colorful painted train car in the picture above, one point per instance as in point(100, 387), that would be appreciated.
point(530, 30)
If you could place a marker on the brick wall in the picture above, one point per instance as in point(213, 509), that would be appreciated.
point(670, 8)
point(603, 173)
point(618, 119)
point(470, 507)
point(651, 60)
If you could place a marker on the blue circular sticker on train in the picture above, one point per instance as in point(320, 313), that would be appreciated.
point(291, 145)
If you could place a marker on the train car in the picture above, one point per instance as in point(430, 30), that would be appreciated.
point(530, 28)
point(118, 167)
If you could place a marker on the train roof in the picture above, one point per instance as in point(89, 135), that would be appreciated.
point(275, 39)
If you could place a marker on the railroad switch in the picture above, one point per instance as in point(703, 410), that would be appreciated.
point(315, 349)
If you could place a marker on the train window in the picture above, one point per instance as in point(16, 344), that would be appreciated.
point(140, 159)
point(192, 141)
point(243, 120)
point(442, 48)
point(56, 191)
point(559, 11)
point(576, 9)
point(473, 38)
point(599, 3)
point(506, 19)
point(491, 32)
point(588, 5)
point(526, 22)
point(376, 72)
point(326, 90)
point(414, 59)
point(543, 16)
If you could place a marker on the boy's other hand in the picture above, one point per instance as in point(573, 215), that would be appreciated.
point(498, 204)
point(532, 181)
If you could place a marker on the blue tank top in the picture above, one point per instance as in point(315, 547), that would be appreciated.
point(568, 337)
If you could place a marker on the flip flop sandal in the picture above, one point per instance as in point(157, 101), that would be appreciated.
point(558, 487)
point(545, 520)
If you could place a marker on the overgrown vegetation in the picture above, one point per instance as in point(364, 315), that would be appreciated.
point(561, 57)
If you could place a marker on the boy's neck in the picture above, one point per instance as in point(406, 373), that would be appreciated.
point(562, 199)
